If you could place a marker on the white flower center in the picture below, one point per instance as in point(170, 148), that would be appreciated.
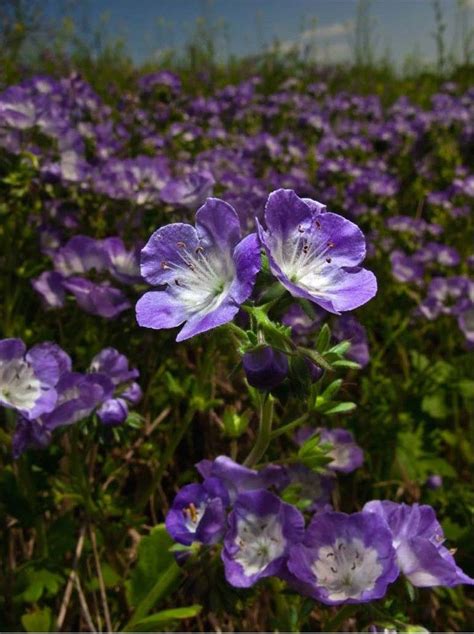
point(18, 385)
point(193, 515)
point(260, 541)
point(346, 569)
point(341, 455)
point(203, 278)
point(303, 261)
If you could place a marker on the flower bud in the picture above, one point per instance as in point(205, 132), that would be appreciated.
point(265, 368)
point(113, 412)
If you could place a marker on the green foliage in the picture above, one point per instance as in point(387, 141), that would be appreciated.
point(39, 620)
point(411, 408)
point(154, 559)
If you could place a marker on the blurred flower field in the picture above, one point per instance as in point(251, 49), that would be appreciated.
point(236, 356)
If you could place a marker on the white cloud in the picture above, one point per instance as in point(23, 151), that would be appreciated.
point(328, 31)
point(320, 37)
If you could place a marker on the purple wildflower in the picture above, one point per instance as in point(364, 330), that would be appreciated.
point(346, 327)
point(28, 379)
point(189, 191)
point(77, 397)
point(346, 454)
point(97, 299)
point(261, 530)
point(418, 540)
point(114, 365)
point(49, 286)
point(344, 559)
point(198, 513)
point(315, 254)
point(208, 270)
point(237, 478)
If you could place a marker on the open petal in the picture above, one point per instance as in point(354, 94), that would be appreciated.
point(247, 265)
point(11, 349)
point(345, 241)
point(424, 565)
point(165, 252)
point(159, 309)
point(342, 289)
point(284, 211)
point(204, 321)
point(218, 225)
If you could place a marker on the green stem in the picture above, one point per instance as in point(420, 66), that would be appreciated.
point(289, 427)
point(264, 432)
point(237, 331)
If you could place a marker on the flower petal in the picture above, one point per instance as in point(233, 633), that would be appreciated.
point(217, 224)
point(284, 211)
point(159, 309)
point(163, 252)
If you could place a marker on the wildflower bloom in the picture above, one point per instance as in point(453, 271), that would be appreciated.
point(28, 379)
point(198, 513)
point(346, 454)
point(209, 271)
point(261, 530)
point(418, 540)
point(115, 367)
point(315, 254)
point(77, 397)
point(238, 479)
point(346, 327)
point(344, 558)
point(97, 299)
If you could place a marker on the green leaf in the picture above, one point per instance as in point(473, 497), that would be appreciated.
point(154, 557)
point(39, 582)
point(41, 620)
point(314, 454)
point(332, 389)
point(435, 405)
point(466, 388)
point(315, 357)
point(341, 348)
point(346, 363)
point(323, 338)
point(153, 622)
point(339, 408)
point(162, 588)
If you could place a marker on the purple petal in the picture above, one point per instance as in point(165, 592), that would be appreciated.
point(217, 225)
point(164, 252)
point(159, 309)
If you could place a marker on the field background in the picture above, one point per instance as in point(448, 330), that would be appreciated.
point(109, 489)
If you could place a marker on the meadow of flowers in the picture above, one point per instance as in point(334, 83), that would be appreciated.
point(236, 371)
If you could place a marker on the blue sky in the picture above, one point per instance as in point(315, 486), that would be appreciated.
point(151, 26)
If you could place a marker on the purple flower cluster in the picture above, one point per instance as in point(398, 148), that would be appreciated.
point(80, 256)
point(337, 559)
point(147, 151)
point(42, 388)
point(209, 270)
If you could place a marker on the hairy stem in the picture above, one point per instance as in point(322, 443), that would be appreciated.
point(264, 432)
